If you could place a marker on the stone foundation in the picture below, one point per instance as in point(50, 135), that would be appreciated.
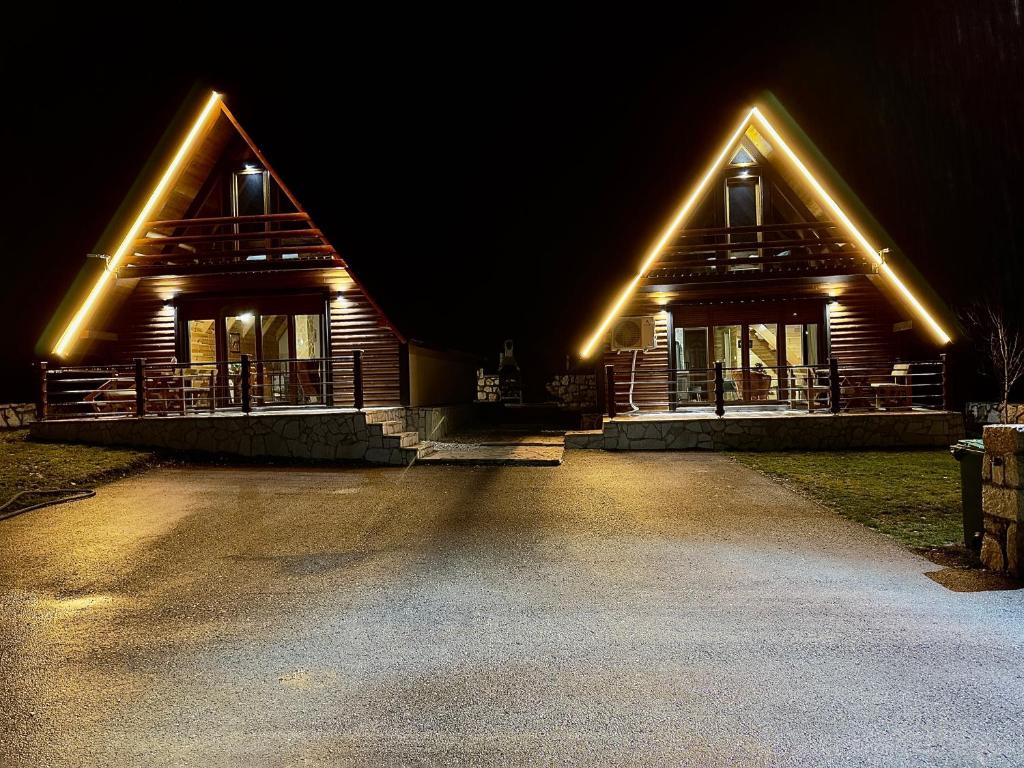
point(809, 432)
point(574, 390)
point(1002, 499)
point(322, 435)
point(437, 422)
point(16, 415)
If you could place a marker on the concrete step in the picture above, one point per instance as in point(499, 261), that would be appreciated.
point(401, 440)
point(380, 415)
point(493, 455)
point(392, 427)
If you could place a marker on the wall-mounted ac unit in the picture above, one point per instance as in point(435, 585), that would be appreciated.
point(632, 333)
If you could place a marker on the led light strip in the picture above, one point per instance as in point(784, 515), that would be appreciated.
point(666, 235)
point(884, 268)
point(67, 338)
point(684, 210)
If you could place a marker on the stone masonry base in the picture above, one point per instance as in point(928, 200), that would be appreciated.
point(810, 432)
point(1002, 499)
point(390, 436)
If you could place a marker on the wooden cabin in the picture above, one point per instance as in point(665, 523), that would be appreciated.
point(221, 262)
point(770, 266)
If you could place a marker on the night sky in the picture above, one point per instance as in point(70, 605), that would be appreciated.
point(493, 178)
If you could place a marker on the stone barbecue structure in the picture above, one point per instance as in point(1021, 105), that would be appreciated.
point(16, 415)
point(577, 391)
point(1002, 494)
point(488, 387)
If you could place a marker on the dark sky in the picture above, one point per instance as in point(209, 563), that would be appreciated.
point(493, 178)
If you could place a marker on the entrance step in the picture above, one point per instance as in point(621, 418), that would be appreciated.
point(498, 447)
point(493, 455)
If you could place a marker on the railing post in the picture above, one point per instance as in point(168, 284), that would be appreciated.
point(719, 388)
point(246, 390)
point(357, 379)
point(834, 390)
point(42, 406)
point(609, 390)
point(140, 387)
point(945, 381)
point(261, 377)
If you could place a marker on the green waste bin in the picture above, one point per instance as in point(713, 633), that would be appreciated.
point(970, 453)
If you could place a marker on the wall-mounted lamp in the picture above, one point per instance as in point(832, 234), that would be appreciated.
point(245, 317)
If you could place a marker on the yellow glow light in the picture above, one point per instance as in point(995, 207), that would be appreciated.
point(68, 337)
point(666, 235)
point(838, 212)
point(684, 210)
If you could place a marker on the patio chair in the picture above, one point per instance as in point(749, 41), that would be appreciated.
point(896, 393)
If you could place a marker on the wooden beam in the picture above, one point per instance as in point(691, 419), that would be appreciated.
point(265, 217)
point(266, 234)
point(759, 228)
point(147, 258)
point(174, 270)
point(668, 282)
point(753, 245)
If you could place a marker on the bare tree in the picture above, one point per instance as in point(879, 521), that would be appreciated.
point(1002, 347)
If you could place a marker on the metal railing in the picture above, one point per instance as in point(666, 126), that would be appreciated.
point(834, 387)
point(245, 385)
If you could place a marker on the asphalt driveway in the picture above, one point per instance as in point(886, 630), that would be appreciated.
point(630, 609)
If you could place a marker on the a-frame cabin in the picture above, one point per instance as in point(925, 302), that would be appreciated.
point(213, 258)
point(770, 266)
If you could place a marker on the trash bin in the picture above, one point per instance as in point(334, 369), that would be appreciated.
point(970, 453)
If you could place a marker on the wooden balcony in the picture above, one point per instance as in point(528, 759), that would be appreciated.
point(229, 244)
point(765, 252)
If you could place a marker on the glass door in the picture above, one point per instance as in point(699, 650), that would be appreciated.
point(309, 365)
point(693, 382)
point(750, 355)
point(273, 364)
point(241, 340)
point(762, 375)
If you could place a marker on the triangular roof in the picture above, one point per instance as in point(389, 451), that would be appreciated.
point(166, 178)
point(768, 124)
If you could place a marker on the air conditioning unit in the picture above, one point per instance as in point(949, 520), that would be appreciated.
point(631, 333)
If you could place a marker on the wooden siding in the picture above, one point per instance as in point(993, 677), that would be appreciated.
point(145, 325)
point(860, 321)
point(861, 327)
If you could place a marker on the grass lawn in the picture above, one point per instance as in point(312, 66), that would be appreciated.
point(913, 496)
point(27, 466)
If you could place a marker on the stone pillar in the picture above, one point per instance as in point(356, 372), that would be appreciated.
point(1002, 548)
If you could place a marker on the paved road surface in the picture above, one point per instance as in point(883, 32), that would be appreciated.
point(659, 609)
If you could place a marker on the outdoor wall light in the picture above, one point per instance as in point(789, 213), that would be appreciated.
point(245, 317)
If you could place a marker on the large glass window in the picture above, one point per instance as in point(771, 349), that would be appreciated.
point(202, 341)
point(274, 336)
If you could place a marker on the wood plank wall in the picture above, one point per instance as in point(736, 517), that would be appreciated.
point(145, 326)
point(860, 320)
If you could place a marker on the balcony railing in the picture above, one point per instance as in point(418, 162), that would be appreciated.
point(833, 388)
point(271, 241)
point(803, 248)
point(162, 389)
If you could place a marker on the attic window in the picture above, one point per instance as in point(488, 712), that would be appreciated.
point(742, 157)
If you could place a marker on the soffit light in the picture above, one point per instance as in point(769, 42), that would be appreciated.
point(684, 210)
point(68, 337)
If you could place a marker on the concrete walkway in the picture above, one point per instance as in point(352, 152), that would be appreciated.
point(622, 609)
point(530, 448)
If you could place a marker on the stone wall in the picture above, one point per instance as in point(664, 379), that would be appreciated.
point(438, 422)
point(977, 415)
point(488, 387)
point(1002, 499)
point(16, 415)
point(574, 390)
point(322, 435)
point(811, 432)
